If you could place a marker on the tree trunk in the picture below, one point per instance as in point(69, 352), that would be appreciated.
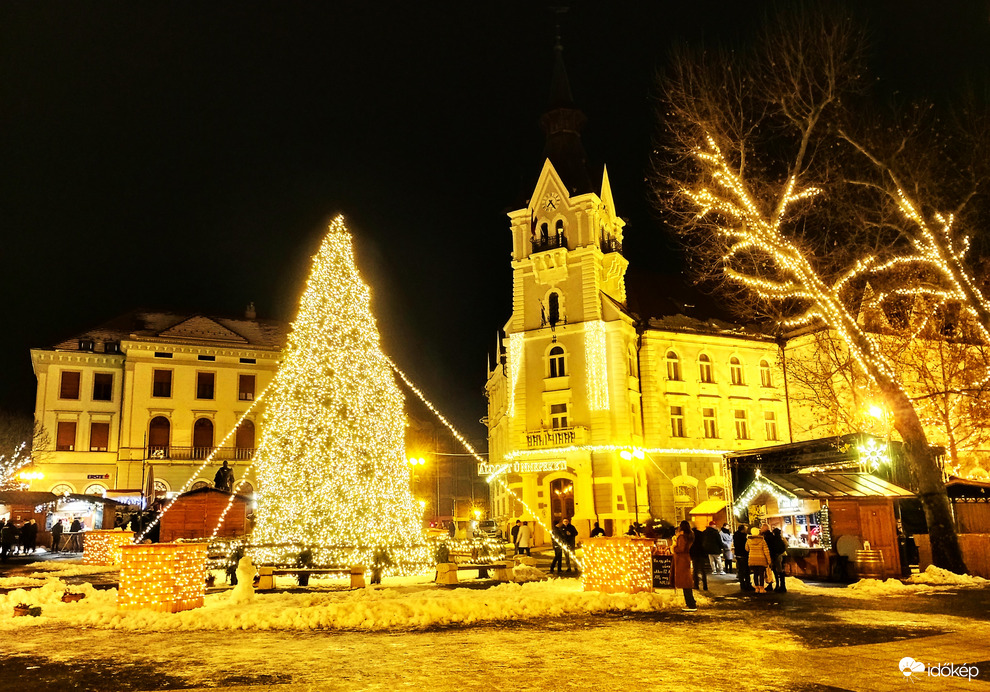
point(928, 477)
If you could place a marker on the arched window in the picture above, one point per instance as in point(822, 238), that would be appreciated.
point(202, 438)
point(544, 235)
point(557, 362)
point(244, 440)
point(96, 489)
point(673, 366)
point(559, 240)
point(736, 370)
point(159, 432)
point(201, 484)
point(62, 489)
point(161, 488)
point(244, 488)
point(766, 379)
point(705, 368)
point(553, 309)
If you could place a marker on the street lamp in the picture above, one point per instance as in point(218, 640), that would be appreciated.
point(637, 454)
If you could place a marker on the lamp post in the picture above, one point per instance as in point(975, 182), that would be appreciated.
point(629, 455)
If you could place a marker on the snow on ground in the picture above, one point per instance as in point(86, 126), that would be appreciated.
point(66, 568)
point(379, 608)
point(937, 575)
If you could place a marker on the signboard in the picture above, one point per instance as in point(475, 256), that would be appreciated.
point(523, 467)
point(98, 477)
point(663, 571)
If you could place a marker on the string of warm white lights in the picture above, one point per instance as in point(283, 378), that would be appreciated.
point(206, 462)
point(331, 466)
point(595, 348)
point(523, 453)
point(515, 357)
point(230, 500)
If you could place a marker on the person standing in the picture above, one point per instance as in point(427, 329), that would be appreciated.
point(711, 539)
point(742, 557)
point(558, 549)
point(568, 535)
point(57, 530)
point(524, 539)
point(778, 549)
point(7, 537)
point(75, 540)
point(515, 536)
point(726, 547)
point(699, 560)
point(30, 532)
point(684, 576)
point(759, 558)
point(597, 531)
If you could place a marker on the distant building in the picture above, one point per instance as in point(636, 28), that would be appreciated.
point(150, 395)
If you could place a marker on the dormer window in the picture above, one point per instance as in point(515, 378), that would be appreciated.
point(87, 345)
point(111, 347)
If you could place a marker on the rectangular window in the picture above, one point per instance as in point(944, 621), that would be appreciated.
point(708, 417)
point(558, 415)
point(162, 386)
point(742, 427)
point(245, 387)
point(209, 358)
point(677, 421)
point(69, 385)
point(162, 354)
point(770, 419)
point(65, 436)
point(204, 385)
point(99, 437)
point(103, 386)
point(248, 360)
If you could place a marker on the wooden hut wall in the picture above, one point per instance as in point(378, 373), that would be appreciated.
point(972, 517)
point(872, 520)
point(196, 516)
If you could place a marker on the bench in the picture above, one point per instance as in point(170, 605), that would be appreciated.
point(268, 573)
point(447, 571)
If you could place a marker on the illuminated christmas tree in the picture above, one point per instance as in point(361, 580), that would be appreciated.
point(332, 472)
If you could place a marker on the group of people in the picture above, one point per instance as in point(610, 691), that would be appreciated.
point(758, 553)
point(23, 538)
point(564, 542)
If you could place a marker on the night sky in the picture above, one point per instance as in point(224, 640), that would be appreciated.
point(187, 156)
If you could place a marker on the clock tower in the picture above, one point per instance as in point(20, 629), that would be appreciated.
point(564, 396)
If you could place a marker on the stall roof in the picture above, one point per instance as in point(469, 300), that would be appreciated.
point(711, 506)
point(37, 497)
point(814, 486)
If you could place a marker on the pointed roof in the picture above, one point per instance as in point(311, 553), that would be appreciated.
point(562, 124)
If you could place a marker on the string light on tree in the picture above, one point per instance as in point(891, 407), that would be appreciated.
point(331, 464)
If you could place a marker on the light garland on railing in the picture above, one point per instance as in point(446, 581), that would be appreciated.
point(509, 456)
point(206, 462)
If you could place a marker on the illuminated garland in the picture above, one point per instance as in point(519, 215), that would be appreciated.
point(595, 358)
point(509, 456)
point(761, 485)
point(825, 525)
point(331, 464)
point(9, 466)
point(515, 356)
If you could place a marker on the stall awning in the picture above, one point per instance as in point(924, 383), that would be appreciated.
point(712, 506)
point(817, 486)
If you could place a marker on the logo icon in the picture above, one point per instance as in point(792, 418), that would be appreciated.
point(909, 666)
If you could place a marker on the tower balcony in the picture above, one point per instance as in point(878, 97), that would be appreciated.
point(556, 437)
point(608, 245)
point(548, 242)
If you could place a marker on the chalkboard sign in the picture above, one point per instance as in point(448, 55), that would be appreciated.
point(663, 570)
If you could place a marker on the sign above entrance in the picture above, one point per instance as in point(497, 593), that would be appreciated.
point(523, 467)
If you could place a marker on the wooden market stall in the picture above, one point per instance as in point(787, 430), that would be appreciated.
point(92, 511)
point(195, 514)
point(825, 517)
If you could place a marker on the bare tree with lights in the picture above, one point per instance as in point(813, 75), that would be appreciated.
point(764, 181)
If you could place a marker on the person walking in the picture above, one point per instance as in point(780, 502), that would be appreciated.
point(711, 539)
point(727, 558)
point(515, 536)
point(742, 557)
point(568, 535)
point(684, 575)
point(699, 561)
point(778, 550)
point(57, 530)
point(524, 540)
point(759, 559)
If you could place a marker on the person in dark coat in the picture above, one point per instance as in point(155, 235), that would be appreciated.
point(775, 542)
point(515, 536)
point(8, 536)
point(75, 541)
point(684, 577)
point(224, 480)
point(597, 531)
point(57, 530)
point(568, 534)
point(558, 550)
point(712, 541)
point(699, 561)
point(30, 536)
point(742, 557)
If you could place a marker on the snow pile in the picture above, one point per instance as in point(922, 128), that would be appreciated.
point(362, 609)
point(44, 570)
point(19, 582)
point(941, 577)
point(524, 573)
point(891, 587)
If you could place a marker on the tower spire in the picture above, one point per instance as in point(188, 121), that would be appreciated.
point(562, 123)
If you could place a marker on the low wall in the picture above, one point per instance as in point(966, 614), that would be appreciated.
point(975, 551)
